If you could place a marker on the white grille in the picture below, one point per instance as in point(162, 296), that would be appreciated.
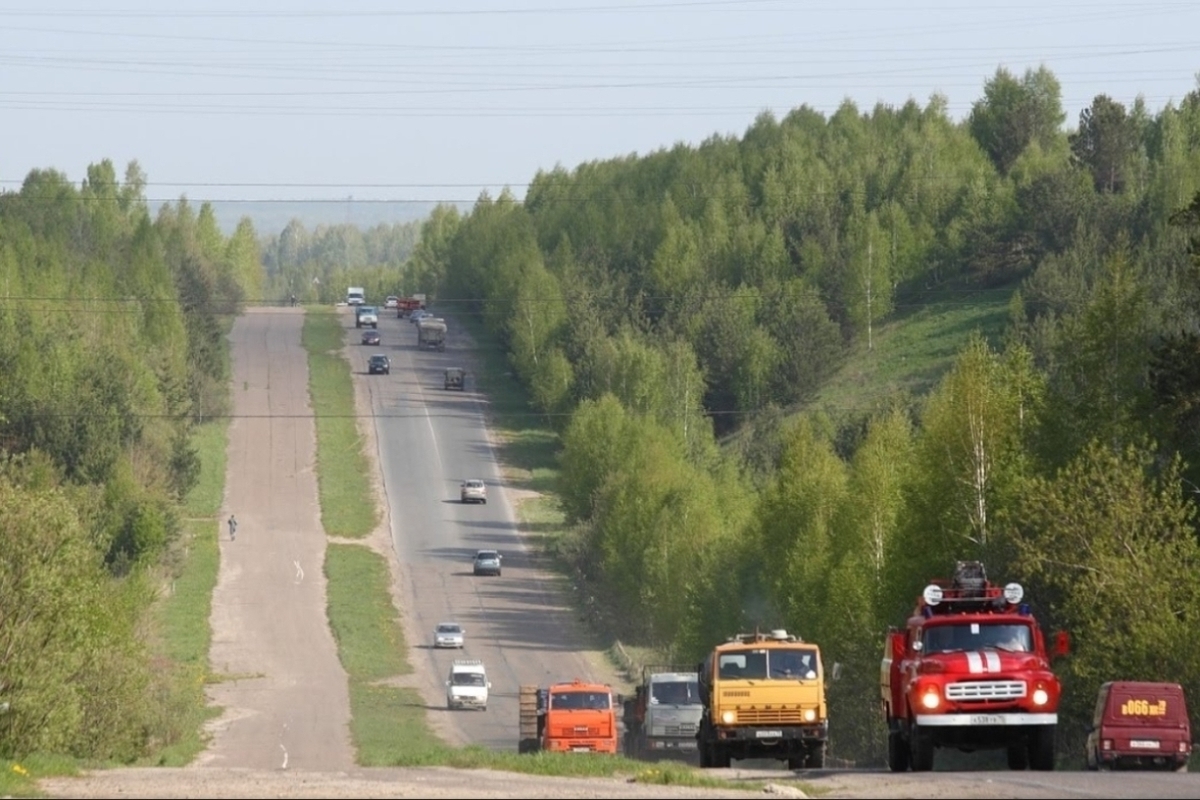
point(985, 690)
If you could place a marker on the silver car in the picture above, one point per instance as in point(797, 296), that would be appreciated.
point(448, 634)
point(473, 490)
point(487, 562)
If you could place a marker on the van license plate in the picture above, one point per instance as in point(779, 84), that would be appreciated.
point(987, 719)
point(1143, 744)
point(769, 734)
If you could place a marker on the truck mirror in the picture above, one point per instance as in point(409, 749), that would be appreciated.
point(836, 672)
point(1062, 644)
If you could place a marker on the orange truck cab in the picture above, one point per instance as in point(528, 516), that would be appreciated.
point(1138, 724)
point(574, 717)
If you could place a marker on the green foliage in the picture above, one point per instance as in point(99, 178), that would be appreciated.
point(1110, 543)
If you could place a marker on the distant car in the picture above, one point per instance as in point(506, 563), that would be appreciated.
point(487, 562)
point(419, 315)
point(379, 364)
point(448, 634)
point(473, 490)
point(370, 337)
point(391, 302)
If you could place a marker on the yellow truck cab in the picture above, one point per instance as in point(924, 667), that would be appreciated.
point(764, 697)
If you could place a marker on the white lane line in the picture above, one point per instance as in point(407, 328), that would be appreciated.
point(299, 572)
point(285, 756)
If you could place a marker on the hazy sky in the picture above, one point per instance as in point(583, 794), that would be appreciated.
point(439, 99)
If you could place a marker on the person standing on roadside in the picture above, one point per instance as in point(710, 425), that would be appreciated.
point(232, 527)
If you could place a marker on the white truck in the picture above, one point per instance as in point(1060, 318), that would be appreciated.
point(355, 296)
point(467, 686)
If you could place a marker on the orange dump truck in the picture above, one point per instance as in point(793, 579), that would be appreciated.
point(574, 717)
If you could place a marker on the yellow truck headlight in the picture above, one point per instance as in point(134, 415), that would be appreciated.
point(810, 714)
point(729, 717)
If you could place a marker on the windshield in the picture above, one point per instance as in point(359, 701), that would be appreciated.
point(788, 664)
point(675, 693)
point(449, 629)
point(488, 556)
point(1013, 637)
point(468, 679)
point(579, 701)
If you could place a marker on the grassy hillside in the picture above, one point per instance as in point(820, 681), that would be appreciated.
point(914, 347)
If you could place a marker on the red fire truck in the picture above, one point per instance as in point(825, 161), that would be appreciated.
point(970, 671)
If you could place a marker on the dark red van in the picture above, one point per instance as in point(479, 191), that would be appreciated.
point(1140, 725)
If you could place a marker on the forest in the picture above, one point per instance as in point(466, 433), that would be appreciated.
point(676, 316)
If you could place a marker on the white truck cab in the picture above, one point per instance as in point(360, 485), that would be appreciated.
point(355, 296)
point(467, 686)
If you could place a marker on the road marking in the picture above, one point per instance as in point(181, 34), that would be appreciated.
point(285, 756)
point(299, 572)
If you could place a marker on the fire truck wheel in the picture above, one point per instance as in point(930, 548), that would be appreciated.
point(1041, 748)
point(897, 752)
point(1018, 756)
point(920, 750)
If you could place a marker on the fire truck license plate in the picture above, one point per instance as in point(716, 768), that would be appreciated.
point(1144, 744)
point(987, 719)
point(768, 734)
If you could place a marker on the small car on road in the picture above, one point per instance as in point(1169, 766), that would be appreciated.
point(448, 634)
point(391, 302)
point(487, 562)
point(473, 490)
point(371, 337)
point(379, 364)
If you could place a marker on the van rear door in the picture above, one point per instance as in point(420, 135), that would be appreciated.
point(1146, 721)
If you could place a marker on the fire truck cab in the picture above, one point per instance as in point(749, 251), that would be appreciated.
point(970, 671)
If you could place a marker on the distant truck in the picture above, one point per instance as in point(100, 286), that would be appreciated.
point(575, 717)
point(431, 333)
point(663, 716)
point(355, 296)
point(467, 686)
point(406, 305)
point(366, 316)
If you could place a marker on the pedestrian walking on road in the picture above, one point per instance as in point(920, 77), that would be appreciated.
point(232, 527)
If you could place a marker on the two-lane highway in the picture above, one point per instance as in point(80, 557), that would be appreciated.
point(429, 441)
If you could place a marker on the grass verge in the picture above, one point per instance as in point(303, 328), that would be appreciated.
point(347, 506)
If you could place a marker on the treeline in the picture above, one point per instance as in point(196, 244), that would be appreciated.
point(318, 266)
point(113, 349)
point(653, 304)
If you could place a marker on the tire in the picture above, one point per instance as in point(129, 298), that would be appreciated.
point(1041, 748)
point(705, 756)
point(720, 757)
point(920, 750)
point(897, 752)
point(814, 758)
point(1018, 756)
point(796, 761)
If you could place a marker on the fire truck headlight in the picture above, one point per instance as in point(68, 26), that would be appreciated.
point(1040, 697)
point(729, 717)
point(810, 714)
point(930, 698)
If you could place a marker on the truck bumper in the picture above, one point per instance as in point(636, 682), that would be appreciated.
point(984, 720)
point(818, 732)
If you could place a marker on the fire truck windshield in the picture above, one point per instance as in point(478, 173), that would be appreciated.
point(961, 636)
point(781, 663)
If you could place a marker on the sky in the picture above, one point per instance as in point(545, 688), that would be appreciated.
point(364, 101)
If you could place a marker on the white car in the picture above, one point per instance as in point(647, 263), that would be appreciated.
point(473, 490)
point(391, 302)
point(448, 634)
point(467, 686)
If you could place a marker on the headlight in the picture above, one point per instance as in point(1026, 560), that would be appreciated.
point(930, 698)
point(1040, 697)
point(810, 714)
point(729, 717)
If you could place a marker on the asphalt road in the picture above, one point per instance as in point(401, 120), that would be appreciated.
point(429, 440)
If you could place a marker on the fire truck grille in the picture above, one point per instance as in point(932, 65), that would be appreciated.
point(685, 729)
point(985, 690)
point(770, 716)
